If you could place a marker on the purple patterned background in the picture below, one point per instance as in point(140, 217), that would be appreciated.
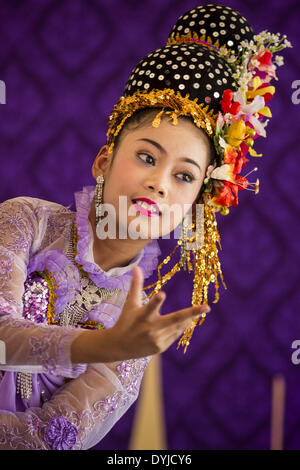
point(65, 64)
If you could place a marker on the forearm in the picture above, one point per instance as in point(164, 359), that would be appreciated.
point(38, 348)
point(96, 346)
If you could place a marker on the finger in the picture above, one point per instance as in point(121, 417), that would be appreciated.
point(155, 303)
point(135, 291)
point(177, 330)
point(182, 317)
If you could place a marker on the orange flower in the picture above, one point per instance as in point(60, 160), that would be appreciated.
point(237, 158)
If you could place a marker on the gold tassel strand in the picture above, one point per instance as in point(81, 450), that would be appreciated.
point(207, 268)
point(24, 384)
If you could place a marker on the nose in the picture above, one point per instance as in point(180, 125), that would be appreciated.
point(156, 182)
point(157, 188)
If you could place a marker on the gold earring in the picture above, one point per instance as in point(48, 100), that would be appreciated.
point(99, 196)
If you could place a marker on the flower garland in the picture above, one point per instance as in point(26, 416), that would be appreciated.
point(240, 121)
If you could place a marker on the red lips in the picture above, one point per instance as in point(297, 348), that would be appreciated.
point(148, 201)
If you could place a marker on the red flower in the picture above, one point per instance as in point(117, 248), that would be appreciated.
point(266, 58)
point(244, 150)
point(236, 158)
point(227, 105)
point(235, 108)
point(228, 195)
point(242, 181)
point(229, 192)
point(230, 155)
point(267, 97)
point(240, 163)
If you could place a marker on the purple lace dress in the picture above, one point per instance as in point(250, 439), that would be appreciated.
point(51, 288)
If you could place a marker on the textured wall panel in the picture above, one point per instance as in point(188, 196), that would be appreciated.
point(65, 64)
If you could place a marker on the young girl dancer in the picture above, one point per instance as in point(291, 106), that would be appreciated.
point(77, 325)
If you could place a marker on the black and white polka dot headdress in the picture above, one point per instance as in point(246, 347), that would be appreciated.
point(190, 66)
point(214, 69)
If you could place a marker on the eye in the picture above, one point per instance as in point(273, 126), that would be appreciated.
point(190, 180)
point(146, 155)
point(183, 180)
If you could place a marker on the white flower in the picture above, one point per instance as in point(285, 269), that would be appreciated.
point(231, 59)
point(208, 173)
point(220, 122)
point(222, 143)
point(254, 64)
point(287, 43)
point(250, 109)
point(279, 60)
point(223, 172)
point(223, 51)
point(245, 44)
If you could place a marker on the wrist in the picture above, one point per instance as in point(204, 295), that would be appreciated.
point(94, 346)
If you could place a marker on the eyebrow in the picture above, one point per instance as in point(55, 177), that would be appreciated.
point(159, 147)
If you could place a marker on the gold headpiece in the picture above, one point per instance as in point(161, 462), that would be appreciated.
point(167, 98)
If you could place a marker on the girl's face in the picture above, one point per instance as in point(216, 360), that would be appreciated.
point(166, 165)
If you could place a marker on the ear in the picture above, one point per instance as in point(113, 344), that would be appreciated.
point(102, 161)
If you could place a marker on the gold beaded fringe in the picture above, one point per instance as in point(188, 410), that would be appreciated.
point(179, 38)
point(167, 98)
point(205, 264)
point(24, 384)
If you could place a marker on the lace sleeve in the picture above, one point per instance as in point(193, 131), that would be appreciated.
point(80, 414)
point(29, 347)
point(38, 348)
point(18, 230)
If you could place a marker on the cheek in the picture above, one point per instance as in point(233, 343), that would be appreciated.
point(186, 194)
point(123, 168)
point(119, 182)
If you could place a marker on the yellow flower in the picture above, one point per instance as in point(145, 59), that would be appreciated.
point(256, 82)
point(236, 133)
point(253, 153)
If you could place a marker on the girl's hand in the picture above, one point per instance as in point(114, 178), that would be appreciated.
point(140, 330)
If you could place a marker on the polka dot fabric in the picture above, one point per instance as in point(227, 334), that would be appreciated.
point(186, 68)
point(217, 22)
point(192, 68)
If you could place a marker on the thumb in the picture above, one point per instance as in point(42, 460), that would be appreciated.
point(135, 291)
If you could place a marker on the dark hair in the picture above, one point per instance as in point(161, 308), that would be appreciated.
point(146, 115)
